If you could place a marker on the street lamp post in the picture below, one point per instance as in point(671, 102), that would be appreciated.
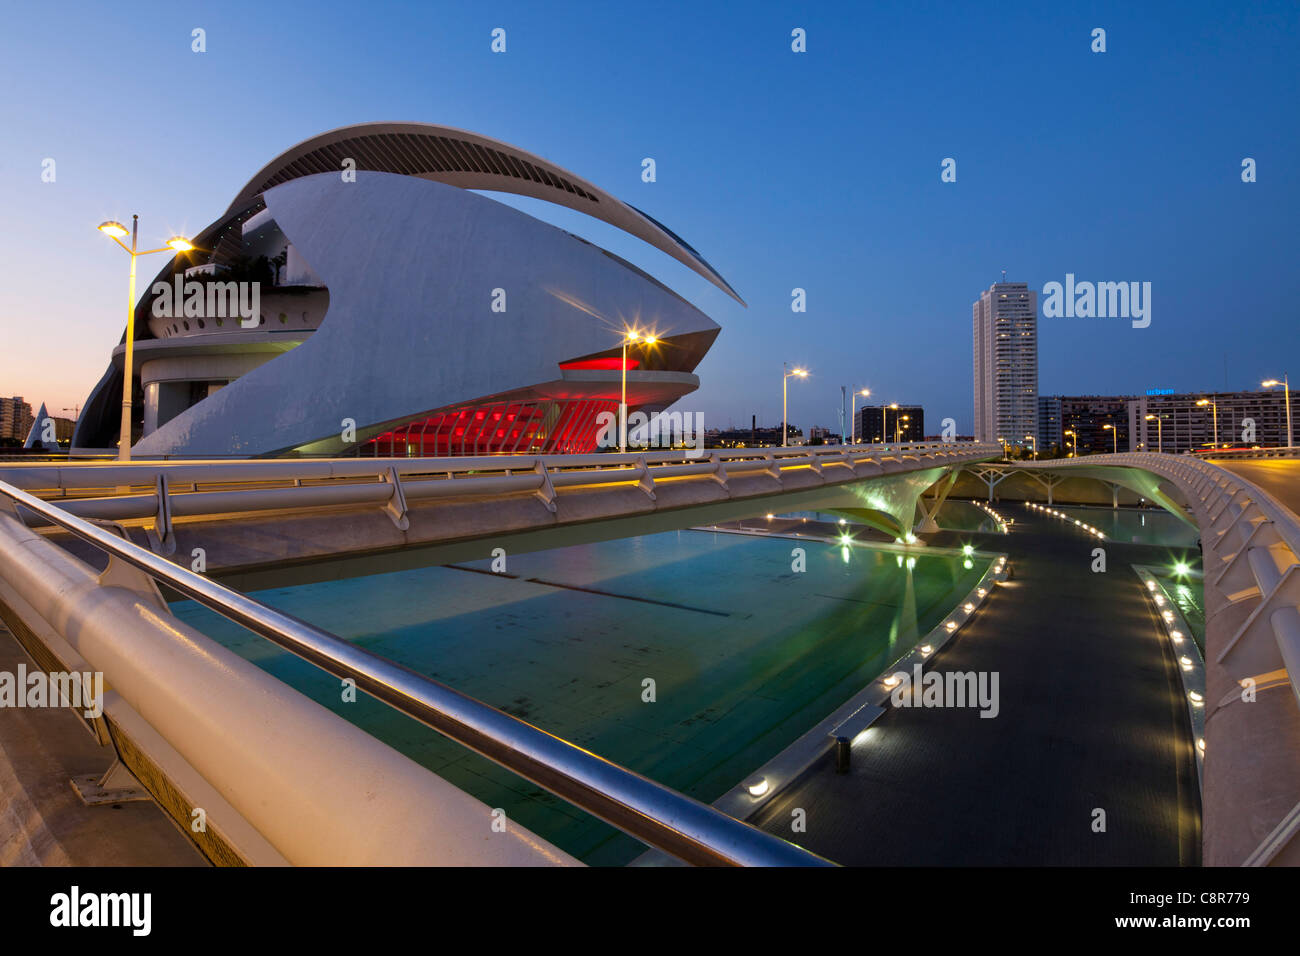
point(1215, 407)
point(1075, 435)
point(785, 399)
point(1286, 387)
point(1034, 439)
point(854, 424)
point(115, 231)
point(630, 336)
point(1114, 433)
point(898, 428)
point(1160, 437)
point(884, 426)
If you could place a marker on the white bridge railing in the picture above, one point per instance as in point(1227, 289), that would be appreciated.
point(166, 490)
point(1252, 547)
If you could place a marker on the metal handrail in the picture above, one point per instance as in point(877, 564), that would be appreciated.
point(108, 474)
point(279, 484)
point(650, 812)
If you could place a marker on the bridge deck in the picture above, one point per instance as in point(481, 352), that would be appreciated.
point(1092, 716)
point(43, 821)
point(1279, 477)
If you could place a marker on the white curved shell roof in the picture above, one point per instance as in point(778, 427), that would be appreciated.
point(470, 161)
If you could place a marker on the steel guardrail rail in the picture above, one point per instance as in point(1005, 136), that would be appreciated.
point(283, 484)
point(71, 476)
point(652, 813)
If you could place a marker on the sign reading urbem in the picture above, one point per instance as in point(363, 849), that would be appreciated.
point(1160, 391)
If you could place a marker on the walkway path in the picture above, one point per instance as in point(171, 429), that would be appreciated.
point(1092, 717)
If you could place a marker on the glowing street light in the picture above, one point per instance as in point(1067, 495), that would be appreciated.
point(631, 336)
point(1213, 405)
point(1034, 439)
point(785, 398)
point(1075, 435)
point(898, 427)
point(1115, 433)
point(1160, 438)
point(1286, 386)
point(854, 424)
point(117, 232)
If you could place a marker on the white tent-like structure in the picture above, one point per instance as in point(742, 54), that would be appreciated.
point(38, 426)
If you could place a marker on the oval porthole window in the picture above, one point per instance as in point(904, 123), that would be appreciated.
point(201, 325)
point(186, 324)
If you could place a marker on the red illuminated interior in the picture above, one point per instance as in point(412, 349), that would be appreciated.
point(509, 428)
point(601, 364)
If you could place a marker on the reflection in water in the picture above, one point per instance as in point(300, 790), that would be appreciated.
point(745, 653)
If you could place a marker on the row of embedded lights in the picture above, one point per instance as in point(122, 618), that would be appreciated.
point(953, 623)
point(1060, 514)
point(1002, 522)
point(1177, 637)
point(761, 786)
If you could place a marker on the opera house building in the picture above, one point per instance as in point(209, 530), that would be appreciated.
point(399, 311)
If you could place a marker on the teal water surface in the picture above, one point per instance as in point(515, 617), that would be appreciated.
point(745, 654)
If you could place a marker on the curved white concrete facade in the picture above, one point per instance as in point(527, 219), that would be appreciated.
point(402, 300)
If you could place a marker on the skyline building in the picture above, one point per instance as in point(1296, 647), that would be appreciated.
point(1245, 419)
point(1087, 417)
point(904, 423)
point(1004, 322)
point(15, 418)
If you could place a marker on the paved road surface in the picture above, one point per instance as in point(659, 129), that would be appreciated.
point(1279, 477)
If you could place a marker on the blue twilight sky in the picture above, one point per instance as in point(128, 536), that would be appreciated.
point(818, 170)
